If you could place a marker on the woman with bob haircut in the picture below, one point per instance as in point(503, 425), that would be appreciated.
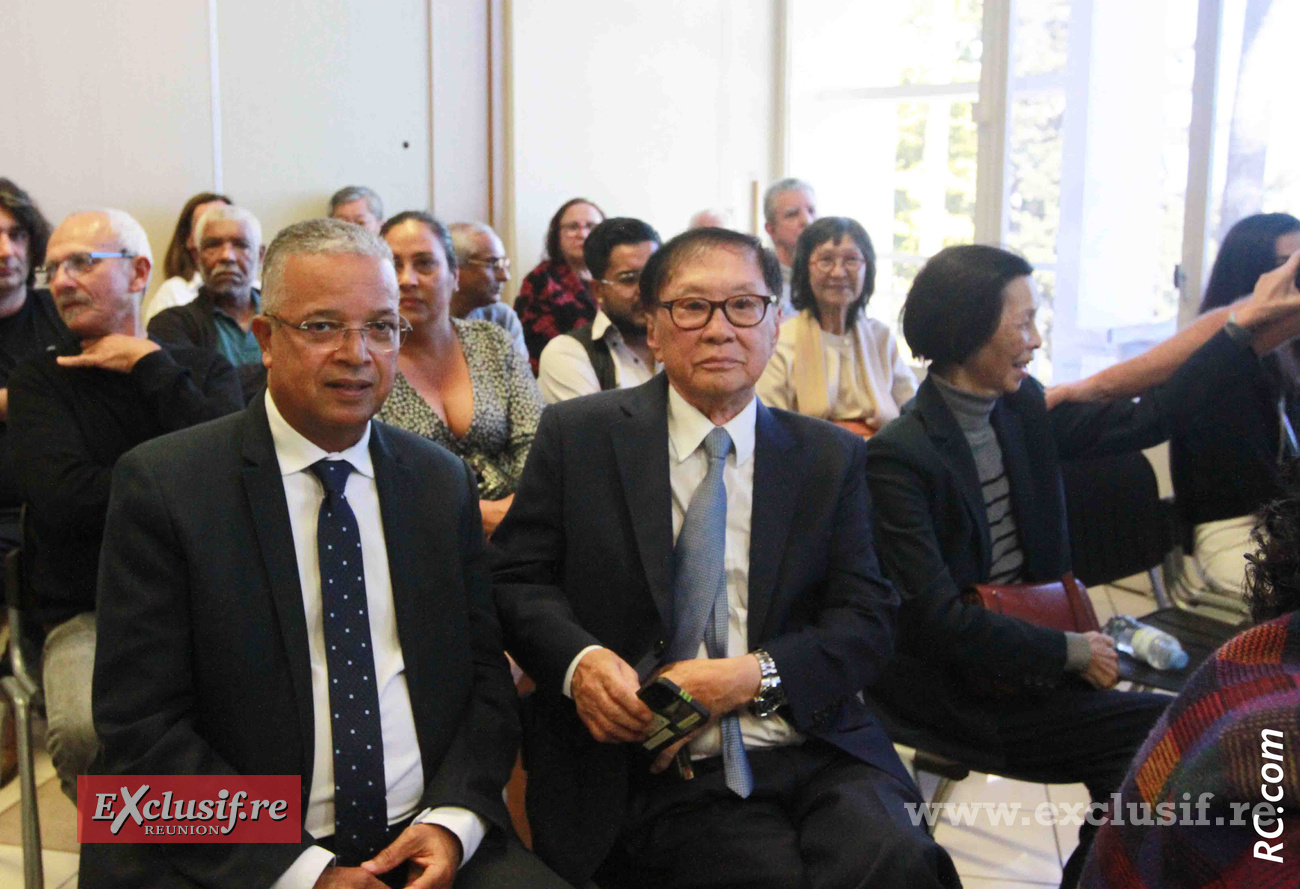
point(966, 487)
point(831, 360)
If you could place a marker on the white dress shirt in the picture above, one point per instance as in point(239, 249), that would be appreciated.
point(403, 770)
point(564, 370)
point(687, 466)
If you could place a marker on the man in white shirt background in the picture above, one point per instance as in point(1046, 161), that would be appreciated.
point(611, 353)
point(319, 606)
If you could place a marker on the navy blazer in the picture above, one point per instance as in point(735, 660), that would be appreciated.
point(202, 665)
point(933, 537)
point(586, 558)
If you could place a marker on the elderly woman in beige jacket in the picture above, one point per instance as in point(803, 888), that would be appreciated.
point(831, 360)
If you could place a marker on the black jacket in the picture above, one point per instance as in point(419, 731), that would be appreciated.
point(586, 557)
point(933, 539)
point(202, 663)
point(194, 324)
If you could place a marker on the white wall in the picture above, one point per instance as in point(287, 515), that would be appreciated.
point(653, 110)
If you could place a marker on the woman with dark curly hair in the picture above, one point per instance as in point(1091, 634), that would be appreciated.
point(1226, 742)
point(831, 360)
point(556, 297)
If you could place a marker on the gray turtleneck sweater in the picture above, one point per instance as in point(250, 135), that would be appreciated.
point(972, 412)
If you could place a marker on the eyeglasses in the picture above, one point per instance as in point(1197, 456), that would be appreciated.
point(624, 279)
point(379, 336)
point(742, 310)
point(851, 263)
point(572, 227)
point(496, 263)
point(76, 264)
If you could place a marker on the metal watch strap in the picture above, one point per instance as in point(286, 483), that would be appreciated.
point(771, 696)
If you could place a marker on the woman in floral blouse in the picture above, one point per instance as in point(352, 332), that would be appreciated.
point(459, 383)
point(556, 297)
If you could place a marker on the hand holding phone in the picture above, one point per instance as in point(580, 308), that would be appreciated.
point(676, 713)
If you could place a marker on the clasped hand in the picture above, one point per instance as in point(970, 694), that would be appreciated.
point(433, 853)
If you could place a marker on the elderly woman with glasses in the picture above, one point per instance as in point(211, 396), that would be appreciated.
point(831, 360)
point(556, 297)
point(459, 383)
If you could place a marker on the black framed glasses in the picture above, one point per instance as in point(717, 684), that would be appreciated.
point(322, 333)
point(741, 310)
point(76, 265)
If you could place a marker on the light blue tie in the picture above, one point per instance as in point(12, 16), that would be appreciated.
point(700, 593)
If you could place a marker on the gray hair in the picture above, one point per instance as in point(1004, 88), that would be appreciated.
point(315, 237)
point(779, 187)
point(128, 233)
point(462, 236)
point(349, 193)
point(227, 212)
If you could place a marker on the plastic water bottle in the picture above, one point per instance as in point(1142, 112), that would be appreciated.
point(1156, 647)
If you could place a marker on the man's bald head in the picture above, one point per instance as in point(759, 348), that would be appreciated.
point(484, 267)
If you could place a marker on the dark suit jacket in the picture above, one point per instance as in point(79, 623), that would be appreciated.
point(586, 558)
point(202, 664)
point(933, 538)
point(194, 324)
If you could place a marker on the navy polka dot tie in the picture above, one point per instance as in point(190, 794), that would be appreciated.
point(360, 796)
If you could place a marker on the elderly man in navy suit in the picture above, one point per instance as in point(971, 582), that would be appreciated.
point(683, 528)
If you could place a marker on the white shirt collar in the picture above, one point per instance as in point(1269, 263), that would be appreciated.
point(296, 453)
point(687, 427)
point(603, 325)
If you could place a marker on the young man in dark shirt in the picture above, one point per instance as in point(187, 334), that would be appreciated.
point(28, 324)
point(74, 411)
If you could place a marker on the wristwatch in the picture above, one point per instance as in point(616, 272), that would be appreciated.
point(771, 696)
point(1242, 336)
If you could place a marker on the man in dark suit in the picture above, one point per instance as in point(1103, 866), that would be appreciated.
point(227, 611)
point(682, 527)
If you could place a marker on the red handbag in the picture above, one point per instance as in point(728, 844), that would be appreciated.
point(1060, 605)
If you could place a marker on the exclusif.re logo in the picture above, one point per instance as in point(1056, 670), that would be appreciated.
point(189, 808)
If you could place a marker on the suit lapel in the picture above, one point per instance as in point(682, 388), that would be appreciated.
point(264, 487)
point(776, 490)
point(954, 451)
point(641, 451)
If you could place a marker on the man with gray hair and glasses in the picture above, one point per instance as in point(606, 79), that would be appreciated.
point(789, 206)
point(73, 412)
point(484, 270)
point(229, 250)
point(359, 205)
point(320, 606)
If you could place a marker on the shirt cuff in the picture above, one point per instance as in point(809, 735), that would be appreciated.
point(469, 827)
point(304, 872)
point(1078, 652)
point(567, 687)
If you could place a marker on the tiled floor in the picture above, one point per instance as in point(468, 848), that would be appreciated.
point(1014, 856)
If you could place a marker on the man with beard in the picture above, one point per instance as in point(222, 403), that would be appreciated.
point(612, 352)
point(483, 269)
point(230, 252)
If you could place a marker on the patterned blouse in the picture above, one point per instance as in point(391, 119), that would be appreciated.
point(552, 300)
point(507, 406)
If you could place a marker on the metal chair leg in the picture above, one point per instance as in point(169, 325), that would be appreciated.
point(20, 700)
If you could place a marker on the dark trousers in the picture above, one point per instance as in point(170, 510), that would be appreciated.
point(1075, 736)
point(501, 862)
point(817, 818)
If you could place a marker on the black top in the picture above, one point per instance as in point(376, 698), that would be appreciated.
point(27, 331)
point(69, 427)
point(933, 538)
point(195, 324)
point(1232, 469)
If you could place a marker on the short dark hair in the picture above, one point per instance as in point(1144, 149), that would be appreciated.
point(1247, 251)
point(438, 229)
point(19, 204)
point(553, 229)
point(1273, 571)
point(955, 302)
point(830, 228)
point(613, 233)
point(695, 241)
point(178, 263)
